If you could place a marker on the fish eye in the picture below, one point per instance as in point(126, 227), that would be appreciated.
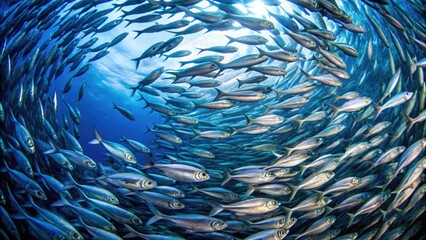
point(91, 164)
point(65, 164)
point(39, 194)
point(30, 142)
point(136, 220)
point(75, 235)
point(108, 228)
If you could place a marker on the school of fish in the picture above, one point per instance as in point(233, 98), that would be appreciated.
point(306, 120)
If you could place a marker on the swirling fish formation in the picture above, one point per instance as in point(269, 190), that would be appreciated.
point(307, 124)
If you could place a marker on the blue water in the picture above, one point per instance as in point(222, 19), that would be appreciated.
point(109, 81)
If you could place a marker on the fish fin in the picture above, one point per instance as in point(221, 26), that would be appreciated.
point(130, 22)
point(149, 164)
point(277, 154)
point(157, 215)
point(231, 39)
point(139, 32)
point(227, 177)
point(220, 94)
point(298, 121)
point(137, 62)
point(351, 218)
point(250, 190)
point(384, 213)
point(278, 92)
point(132, 232)
point(195, 189)
point(288, 211)
point(268, 108)
point(201, 50)
point(302, 169)
point(334, 109)
point(288, 150)
point(328, 210)
point(294, 190)
point(410, 121)
point(12, 116)
point(233, 131)
point(53, 150)
point(98, 139)
point(217, 208)
point(249, 120)
point(196, 132)
point(378, 110)
point(308, 76)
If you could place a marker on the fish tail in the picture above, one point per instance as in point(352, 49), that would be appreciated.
point(278, 92)
point(22, 214)
point(328, 210)
point(201, 50)
point(294, 190)
point(298, 121)
point(194, 190)
point(249, 120)
point(149, 164)
point(231, 39)
point(115, 106)
point(239, 83)
point(289, 151)
point(227, 177)
point(410, 121)
point(12, 116)
point(139, 32)
point(97, 139)
point(351, 218)
point(53, 150)
point(233, 131)
point(130, 22)
point(308, 76)
point(261, 52)
point(157, 215)
point(220, 94)
point(137, 62)
point(217, 208)
point(268, 108)
point(384, 213)
point(70, 185)
point(302, 169)
point(334, 109)
point(288, 211)
point(5, 168)
point(378, 110)
point(132, 232)
point(250, 190)
point(196, 132)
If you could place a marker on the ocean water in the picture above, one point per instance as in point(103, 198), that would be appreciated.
point(326, 107)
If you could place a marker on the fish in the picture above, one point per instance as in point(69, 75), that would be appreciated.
point(117, 150)
point(124, 112)
point(300, 119)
